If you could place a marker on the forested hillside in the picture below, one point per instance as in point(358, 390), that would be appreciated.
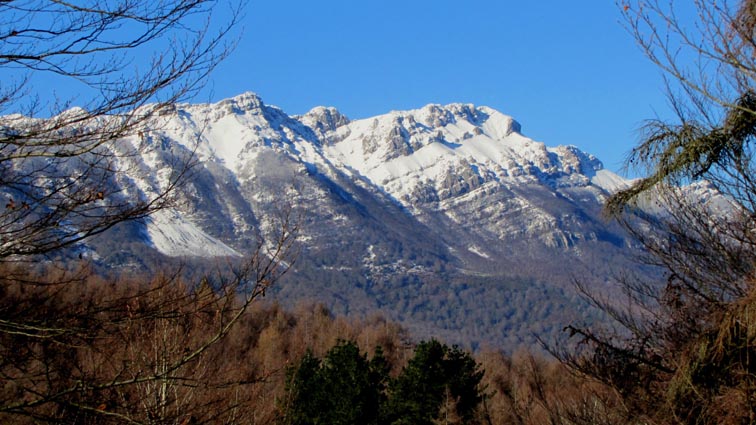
point(158, 351)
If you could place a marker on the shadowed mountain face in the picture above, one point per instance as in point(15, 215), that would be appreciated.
point(444, 218)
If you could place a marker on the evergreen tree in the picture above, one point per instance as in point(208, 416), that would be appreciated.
point(434, 375)
point(345, 388)
point(303, 385)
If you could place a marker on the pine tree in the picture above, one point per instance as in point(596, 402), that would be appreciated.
point(434, 375)
point(345, 388)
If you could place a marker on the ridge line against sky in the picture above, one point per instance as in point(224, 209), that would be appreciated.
point(569, 73)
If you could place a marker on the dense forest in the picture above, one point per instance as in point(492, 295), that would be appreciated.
point(145, 351)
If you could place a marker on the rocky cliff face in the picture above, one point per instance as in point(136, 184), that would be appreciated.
point(458, 170)
point(397, 211)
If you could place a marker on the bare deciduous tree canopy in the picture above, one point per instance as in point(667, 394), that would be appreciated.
point(77, 348)
point(128, 60)
point(681, 347)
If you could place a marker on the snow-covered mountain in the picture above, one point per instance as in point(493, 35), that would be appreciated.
point(454, 165)
point(409, 212)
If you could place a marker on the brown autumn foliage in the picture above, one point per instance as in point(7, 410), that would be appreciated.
point(78, 348)
point(142, 350)
point(526, 389)
point(83, 349)
point(680, 348)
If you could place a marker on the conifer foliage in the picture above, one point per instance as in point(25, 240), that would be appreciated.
point(344, 388)
point(434, 378)
point(440, 383)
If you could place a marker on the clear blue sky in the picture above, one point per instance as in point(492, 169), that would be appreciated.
point(567, 71)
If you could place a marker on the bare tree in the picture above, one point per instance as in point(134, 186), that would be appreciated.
point(148, 352)
point(681, 344)
point(63, 172)
point(707, 53)
point(76, 348)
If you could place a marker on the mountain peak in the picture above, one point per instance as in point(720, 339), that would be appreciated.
point(401, 152)
point(436, 116)
point(324, 120)
point(246, 101)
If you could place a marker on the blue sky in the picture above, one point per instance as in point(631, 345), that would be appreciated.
point(567, 71)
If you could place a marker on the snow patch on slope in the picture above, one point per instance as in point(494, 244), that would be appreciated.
point(609, 181)
point(478, 251)
point(174, 236)
point(450, 150)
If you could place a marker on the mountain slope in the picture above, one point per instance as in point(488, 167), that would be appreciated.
point(446, 218)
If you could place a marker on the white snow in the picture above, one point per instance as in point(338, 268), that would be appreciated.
point(227, 138)
point(492, 145)
point(445, 142)
point(477, 251)
point(175, 236)
point(609, 181)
